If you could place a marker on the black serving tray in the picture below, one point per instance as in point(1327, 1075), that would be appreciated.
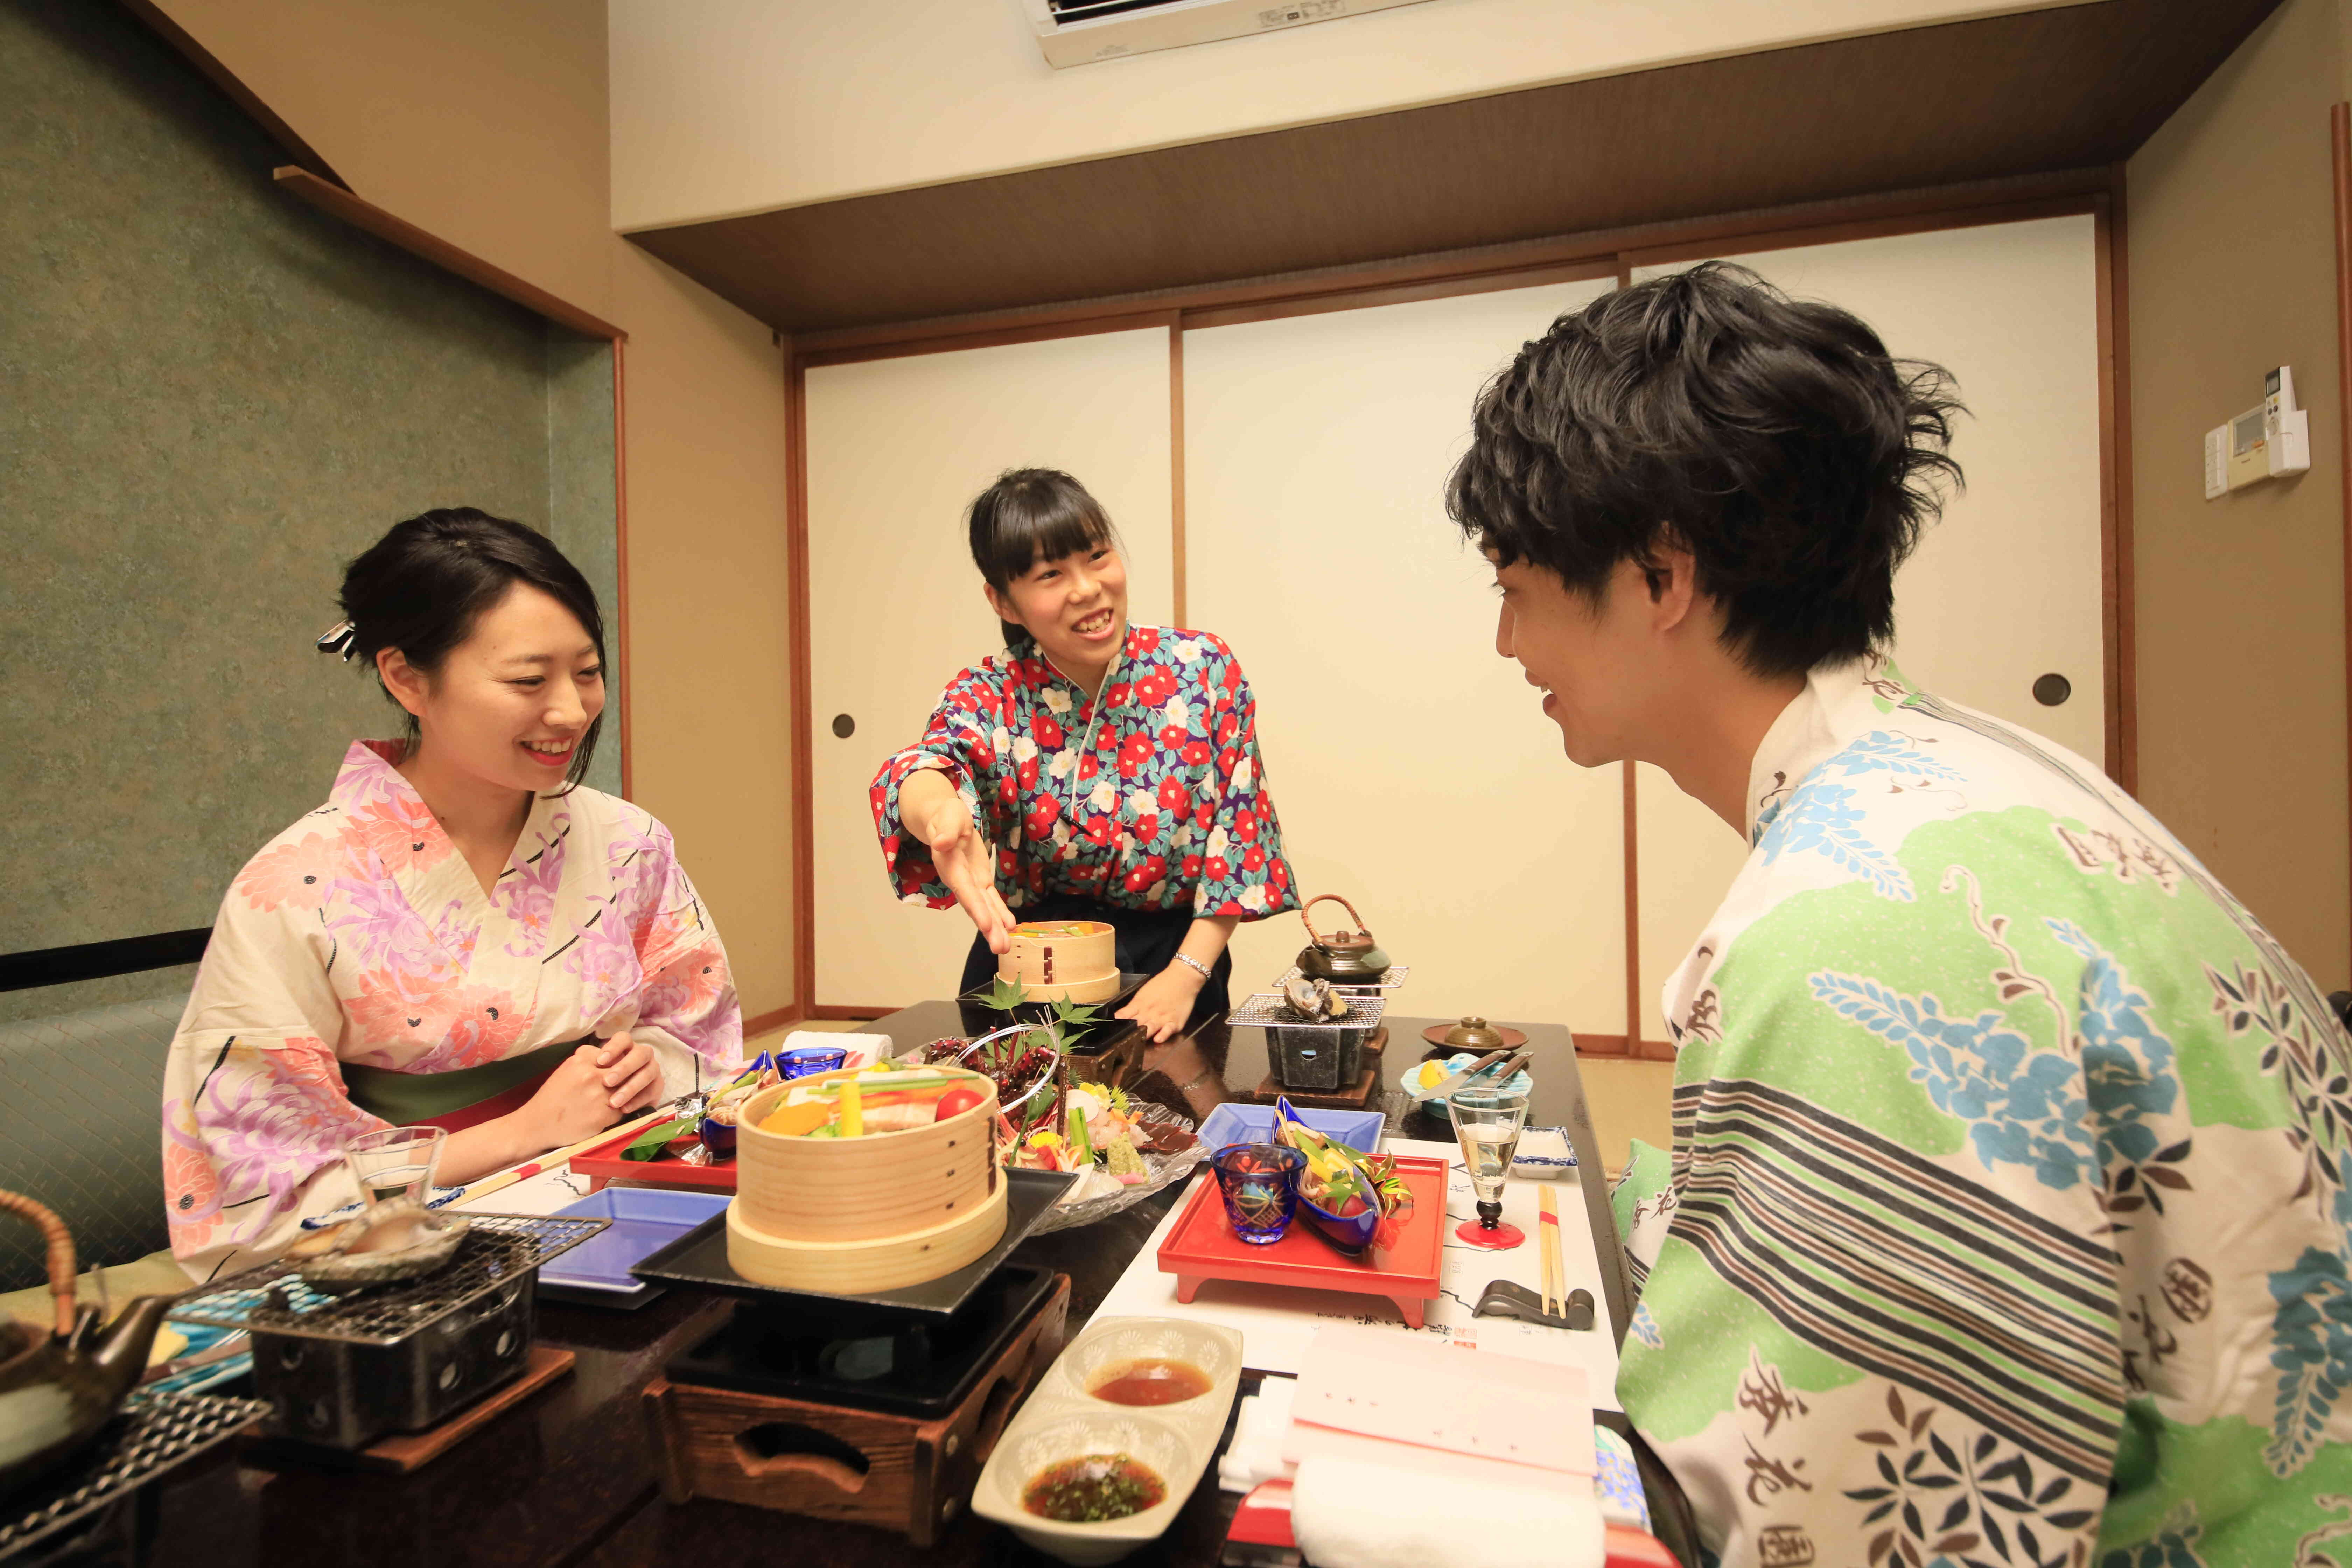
point(926, 1371)
point(699, 1257)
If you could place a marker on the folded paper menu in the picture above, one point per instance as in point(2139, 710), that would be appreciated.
point(1423, 1456)
point(1363, 1384)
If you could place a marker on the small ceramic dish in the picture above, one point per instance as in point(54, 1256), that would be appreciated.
point(1173, 1455)
point(1352, 1234)
point(1544, 1154)
point(717, 1136)
point(442, 1198)
point(1117, 1342)
point(1064, 1419)
point(1234, 1122)
point(1435, 1072)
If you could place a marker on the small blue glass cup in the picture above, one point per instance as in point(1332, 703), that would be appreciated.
point(1259, 1183)
point(803, 1060)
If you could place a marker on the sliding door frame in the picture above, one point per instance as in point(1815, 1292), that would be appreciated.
point(2098, 193)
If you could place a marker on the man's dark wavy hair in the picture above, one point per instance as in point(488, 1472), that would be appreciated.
point(1775, 439)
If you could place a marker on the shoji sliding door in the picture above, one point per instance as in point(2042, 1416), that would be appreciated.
point(2007, 588)
point(897, 448)
point(1413, 770)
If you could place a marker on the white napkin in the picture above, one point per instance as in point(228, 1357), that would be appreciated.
point(1352, 1513)
point(862, 1049)
point(1255, 1453)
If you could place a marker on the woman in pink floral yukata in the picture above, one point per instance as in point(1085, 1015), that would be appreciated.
point(462, 934)
point(1094, 771)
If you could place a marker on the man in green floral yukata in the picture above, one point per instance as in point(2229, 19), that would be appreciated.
point(2006, 1220)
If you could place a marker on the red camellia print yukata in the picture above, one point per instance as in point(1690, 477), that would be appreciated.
point(1154, 799)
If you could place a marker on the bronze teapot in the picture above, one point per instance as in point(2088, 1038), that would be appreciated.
point(58, 1389)
point(1343, 957)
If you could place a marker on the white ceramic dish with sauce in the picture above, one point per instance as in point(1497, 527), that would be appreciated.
point(1065, 1420)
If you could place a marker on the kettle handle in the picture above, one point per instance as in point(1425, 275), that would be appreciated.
point(62, 1252)
point(1317, 937)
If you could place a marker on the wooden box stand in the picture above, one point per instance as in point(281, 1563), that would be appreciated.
point(796, 1458)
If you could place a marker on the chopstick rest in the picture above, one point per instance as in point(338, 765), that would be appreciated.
point(1502, 1299)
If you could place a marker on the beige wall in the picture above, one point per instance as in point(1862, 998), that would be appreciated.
point(486, 125)
point(724, 106)
point(2240, 599)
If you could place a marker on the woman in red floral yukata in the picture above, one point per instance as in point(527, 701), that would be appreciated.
point(1092, 771)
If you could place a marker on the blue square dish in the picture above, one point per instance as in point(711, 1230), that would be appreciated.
point(645, 1220)
point(1234, 1122)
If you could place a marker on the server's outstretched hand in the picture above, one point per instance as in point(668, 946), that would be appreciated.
point(968, 866)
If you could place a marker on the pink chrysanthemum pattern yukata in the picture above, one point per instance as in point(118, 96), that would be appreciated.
point(360, 935)
point(1153, 799)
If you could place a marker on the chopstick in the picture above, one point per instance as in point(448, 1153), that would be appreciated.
point(1555, 1283)
point(504, 1179)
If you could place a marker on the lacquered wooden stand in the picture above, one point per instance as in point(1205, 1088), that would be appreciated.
point(863, 1466)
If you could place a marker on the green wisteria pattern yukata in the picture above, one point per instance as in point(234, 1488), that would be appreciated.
point(2006, 1219)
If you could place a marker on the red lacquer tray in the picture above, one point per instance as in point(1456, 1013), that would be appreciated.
point(604, 1163)
point(1203, 1247)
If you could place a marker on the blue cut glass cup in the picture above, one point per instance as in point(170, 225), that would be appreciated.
point(1259, 1183)
point(803, 1060)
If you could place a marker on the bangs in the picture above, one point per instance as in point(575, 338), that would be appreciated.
point(1030, 515)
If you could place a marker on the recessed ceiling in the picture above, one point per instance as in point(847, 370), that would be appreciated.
point(2031, 92)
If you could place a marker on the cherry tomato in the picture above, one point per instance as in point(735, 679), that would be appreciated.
point(955, 1100)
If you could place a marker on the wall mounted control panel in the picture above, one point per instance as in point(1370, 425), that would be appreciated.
point(2266, 442)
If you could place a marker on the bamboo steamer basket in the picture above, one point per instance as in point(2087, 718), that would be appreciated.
point(1090, 952)
point(856, 1268)
point(872, 1213)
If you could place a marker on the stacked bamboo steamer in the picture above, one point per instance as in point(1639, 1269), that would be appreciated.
point(1062, 960)
point(852, 1216)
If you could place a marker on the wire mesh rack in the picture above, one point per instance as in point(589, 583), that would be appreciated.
point(496, 1250)
point(1268, 1010)
point(1388, 982)
point(144, 1442)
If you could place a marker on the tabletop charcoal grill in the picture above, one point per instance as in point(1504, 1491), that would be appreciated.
point(341, 1371)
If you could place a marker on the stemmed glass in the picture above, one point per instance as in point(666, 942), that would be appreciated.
point(1486, 1123)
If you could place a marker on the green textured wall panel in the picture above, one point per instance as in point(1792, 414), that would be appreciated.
point(211, 397)
point(582, 502)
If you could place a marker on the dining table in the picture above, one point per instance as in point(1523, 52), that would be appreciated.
point(567, 1476)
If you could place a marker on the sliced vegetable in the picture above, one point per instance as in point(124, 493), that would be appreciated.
point(853, 1109)
point(799, 1120)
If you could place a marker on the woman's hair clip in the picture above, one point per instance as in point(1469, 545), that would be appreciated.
point(341, 637)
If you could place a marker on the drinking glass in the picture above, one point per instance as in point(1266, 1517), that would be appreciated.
point(396, 1163)
point(1259, 1183)
point(803, 1060)
point(1486, 1123)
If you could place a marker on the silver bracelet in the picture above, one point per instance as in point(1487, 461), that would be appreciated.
point(1186, 958)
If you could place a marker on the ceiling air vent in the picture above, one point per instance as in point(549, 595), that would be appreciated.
point(1079, 32)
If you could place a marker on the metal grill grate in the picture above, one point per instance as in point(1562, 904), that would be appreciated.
point(499, 1249)
point(147, 1440)
point(1268, 1010)
point(1389, 982)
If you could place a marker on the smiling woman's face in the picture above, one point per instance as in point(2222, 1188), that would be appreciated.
point(511, 703)
point(1076, 607)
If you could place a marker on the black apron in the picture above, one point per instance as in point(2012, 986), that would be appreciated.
point(1146, 942)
